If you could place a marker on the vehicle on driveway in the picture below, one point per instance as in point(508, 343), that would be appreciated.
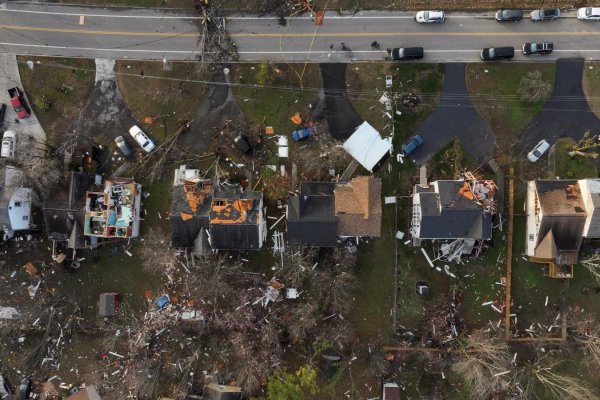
point(17, 100)
point(141, 138)
point(123, 146)
point(538, 151)
point(412, 144)
point(509, 15)
point(545, 14)
point(589, 14)
point(9, 142)
point(537, 48)
point(497, 53)
point(406, 53)
point(430, 17)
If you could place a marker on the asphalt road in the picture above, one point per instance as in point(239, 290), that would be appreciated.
point(455, 116)
point(60, 30)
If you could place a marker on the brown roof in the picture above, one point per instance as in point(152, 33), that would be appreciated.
point(358, 207)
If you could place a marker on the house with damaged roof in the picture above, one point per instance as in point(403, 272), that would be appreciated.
point(205, 216)
point(324, 211)
point(557, 222)
point(455, 213)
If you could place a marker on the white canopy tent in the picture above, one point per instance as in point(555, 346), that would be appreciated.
point(366, 146)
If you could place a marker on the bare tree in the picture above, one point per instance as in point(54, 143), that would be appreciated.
point(559, 386)
point(157, 254)
point(592, 263)
point(586, 333)
point(484, 365)
point(533, 88)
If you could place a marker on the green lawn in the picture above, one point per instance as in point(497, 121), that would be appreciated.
point(591, 85)
point(493, 90)
point(576, 167)
point(271, 94)
point(366, 82)
point(169, 97)
point(57, 89)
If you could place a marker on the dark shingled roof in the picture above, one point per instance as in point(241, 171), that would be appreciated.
point(311, 216)
point(234, 236)
point(64, 209)
point(214, 391)
point(448, 215)
point(185, 232)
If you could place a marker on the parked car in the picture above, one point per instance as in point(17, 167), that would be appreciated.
point(545, 14)
point(242, 144)
point(17, 100)
point(497, 53)
point(538, 151)
point(24, 389)
point(429, 17)
point(123, 146)
point(301, 134)
point(509, 15)
point(9, 142)
point(537, 48)
point(5, 390)
point(141, 138)
point(589, 14)
point(412, 144)
point(406, 53)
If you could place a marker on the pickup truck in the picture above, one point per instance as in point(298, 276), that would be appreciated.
point(17, 100)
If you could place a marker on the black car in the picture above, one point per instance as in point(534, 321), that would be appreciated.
point(241, 142)
point(406, 53)
point(497, 53)
point(537, 48)
point(509, 15)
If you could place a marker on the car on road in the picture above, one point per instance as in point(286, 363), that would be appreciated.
point(9, 142)
point(589, 14)
point(430, 17)
point(406, 53)
point(412, 144)
point(17, 100)
point(545, 14)
point(538, 151)
point(141, 138)
point(509, 15)
point(123, 146)
point(537, 48)
point(497, 53)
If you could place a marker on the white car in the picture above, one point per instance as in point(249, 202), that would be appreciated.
point(589, 13)
point(142, 139)
point(538, 151)
point(9, 141)
point(428, 17)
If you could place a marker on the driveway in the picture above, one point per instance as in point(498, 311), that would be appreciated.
point(341, 116)
point(455, 116)
point(566, 113)
point(31, 138)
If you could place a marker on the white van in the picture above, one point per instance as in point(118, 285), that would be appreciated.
point(9, 142)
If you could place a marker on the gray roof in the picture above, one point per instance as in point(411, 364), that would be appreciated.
point(446, 214)
point(234, 236)
point(214, 391)
point(594, 191)
point(311, 216)
point(107, 304)
point(4, 200)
